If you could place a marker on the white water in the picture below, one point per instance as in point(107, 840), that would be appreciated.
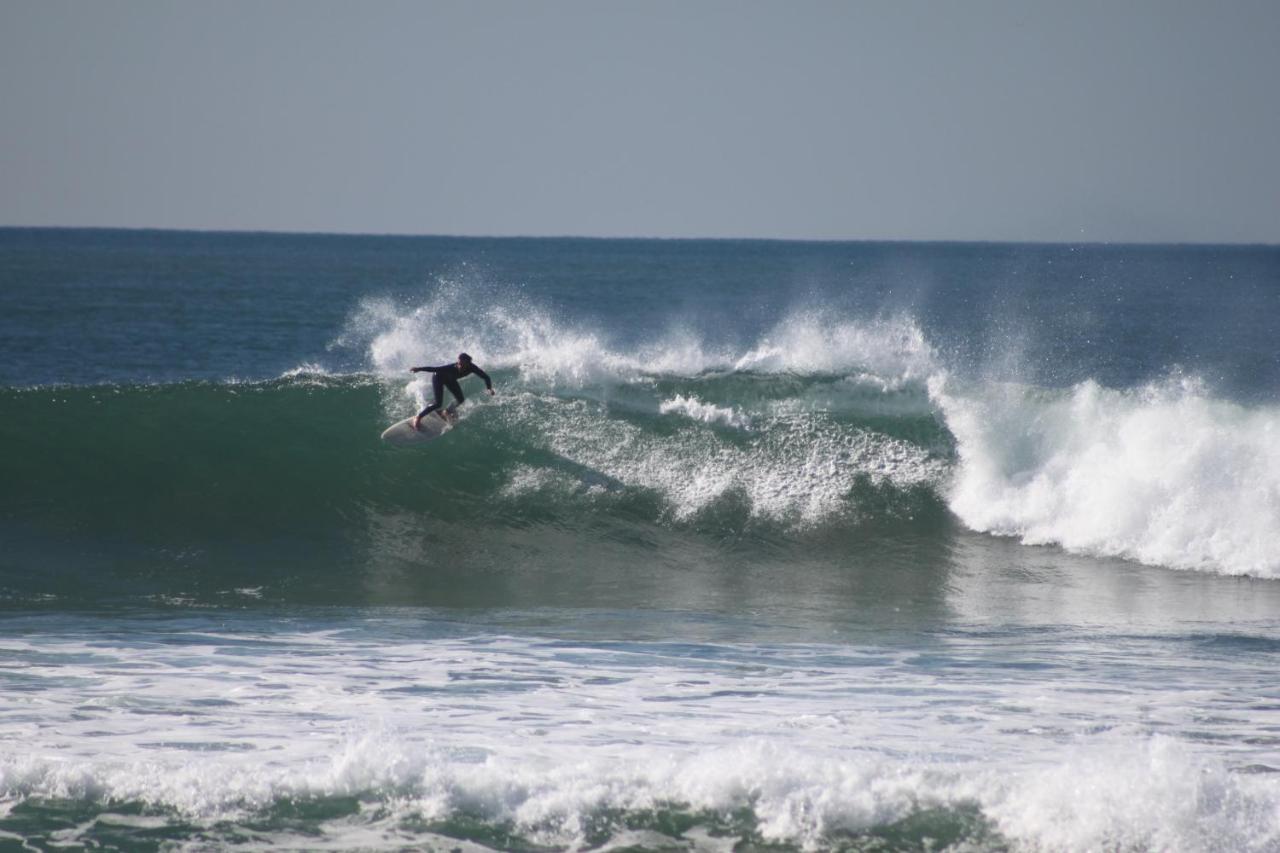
point(1163, 474)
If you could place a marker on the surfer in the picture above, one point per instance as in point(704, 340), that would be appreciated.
point(447, 376)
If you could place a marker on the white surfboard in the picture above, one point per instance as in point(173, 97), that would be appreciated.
point(403, 434)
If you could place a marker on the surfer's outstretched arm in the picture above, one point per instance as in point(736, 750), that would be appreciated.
point(488, 383)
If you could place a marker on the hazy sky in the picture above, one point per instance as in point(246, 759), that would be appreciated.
point(1061, 120)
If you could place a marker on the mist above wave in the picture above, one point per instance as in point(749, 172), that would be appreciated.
point(512, 333)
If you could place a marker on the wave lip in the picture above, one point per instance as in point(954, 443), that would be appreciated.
point(1163, 474)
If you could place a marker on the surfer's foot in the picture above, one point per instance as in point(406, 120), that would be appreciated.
point(417, 424)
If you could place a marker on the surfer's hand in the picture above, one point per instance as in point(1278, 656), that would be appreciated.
point(492, 392)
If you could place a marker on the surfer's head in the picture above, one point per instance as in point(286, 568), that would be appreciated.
point(463, 359)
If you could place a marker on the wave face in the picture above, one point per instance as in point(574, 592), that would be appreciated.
point(205, 478)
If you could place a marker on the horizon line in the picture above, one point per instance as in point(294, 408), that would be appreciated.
point(286, 232)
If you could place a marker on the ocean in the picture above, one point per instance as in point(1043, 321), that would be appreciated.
point(760, 546)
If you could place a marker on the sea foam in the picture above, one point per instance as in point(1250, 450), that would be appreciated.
point(798, 468)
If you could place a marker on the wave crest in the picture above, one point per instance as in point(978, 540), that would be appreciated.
point(512, 333)
point(709, 413)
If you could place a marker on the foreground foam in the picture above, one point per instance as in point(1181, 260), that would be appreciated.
point(1143, 800)
point(566, 745)
point(1162, 474)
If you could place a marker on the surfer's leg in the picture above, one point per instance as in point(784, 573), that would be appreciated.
point(456, 390)
point(437, 388)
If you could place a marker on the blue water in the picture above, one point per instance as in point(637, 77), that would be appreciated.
point(759, 545)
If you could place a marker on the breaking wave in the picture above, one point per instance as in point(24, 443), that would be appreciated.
point(823, 424)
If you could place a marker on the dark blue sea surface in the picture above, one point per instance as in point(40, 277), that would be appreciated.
point(759, 545)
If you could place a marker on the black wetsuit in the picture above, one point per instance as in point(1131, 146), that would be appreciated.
point(447, 376)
